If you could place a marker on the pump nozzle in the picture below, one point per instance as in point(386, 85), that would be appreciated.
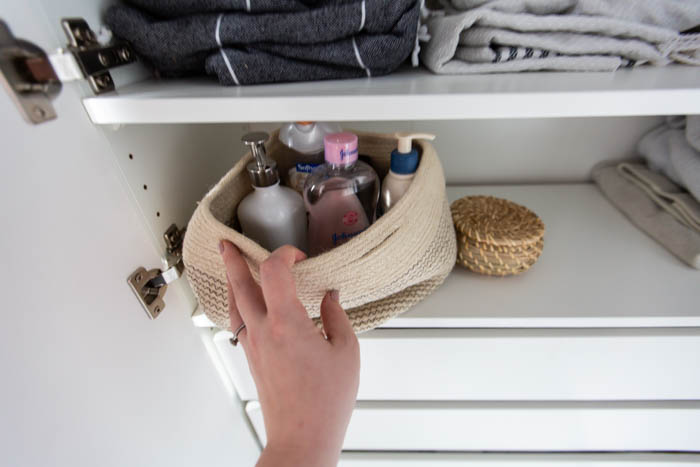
point(263, 171)
point(406, 138)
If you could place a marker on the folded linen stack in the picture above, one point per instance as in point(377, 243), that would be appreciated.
point(249, 42)
point(651, 200)
point(490, 36)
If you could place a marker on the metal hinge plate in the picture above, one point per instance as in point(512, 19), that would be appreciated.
point(95, 59)
point(28, 76)
point(33, 78)
point(149, 286)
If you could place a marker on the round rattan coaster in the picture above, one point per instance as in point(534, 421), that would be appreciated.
point(496, 236)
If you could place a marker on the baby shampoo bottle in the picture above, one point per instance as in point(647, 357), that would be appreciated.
point(341, 195)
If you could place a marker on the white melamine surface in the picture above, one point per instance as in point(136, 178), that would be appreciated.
point(236, 365)
point(408, 95)
point(255, 416)
point(597, 270)
point(515, 150)
point(452, 459)
point(518, 364)
point(519, 426)
point(169, 168)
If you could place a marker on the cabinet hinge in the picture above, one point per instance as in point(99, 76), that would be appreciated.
point(93, 59)
point(149, 286)
point(33, 78)
point(27, 74)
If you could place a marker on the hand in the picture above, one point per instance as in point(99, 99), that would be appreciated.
point(307, 382)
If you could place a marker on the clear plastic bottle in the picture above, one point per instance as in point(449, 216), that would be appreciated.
point(341, 195)
point(306, 140)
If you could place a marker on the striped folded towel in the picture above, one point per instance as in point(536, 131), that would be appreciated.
point(490, 36)
point(250, 42)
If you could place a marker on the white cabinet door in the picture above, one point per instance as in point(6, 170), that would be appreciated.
point(87, 379)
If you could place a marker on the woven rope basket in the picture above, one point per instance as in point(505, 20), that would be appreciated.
point(395, 263)
point(495, 236)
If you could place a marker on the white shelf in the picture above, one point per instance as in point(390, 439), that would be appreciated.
point(408, 95)
point(596, 270)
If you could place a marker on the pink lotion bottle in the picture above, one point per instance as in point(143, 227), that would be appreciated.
point(341, 195)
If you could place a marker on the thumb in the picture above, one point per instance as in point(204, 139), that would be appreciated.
point(336, 323)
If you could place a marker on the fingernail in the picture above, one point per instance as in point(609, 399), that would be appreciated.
point(221, 247)
point(335, 296)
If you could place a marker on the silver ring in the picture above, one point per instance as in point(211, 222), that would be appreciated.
point(234, 340)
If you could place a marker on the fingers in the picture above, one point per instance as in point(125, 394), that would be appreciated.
point(234, 314)
point(246, 293)
point(336, 323)
point(277, 281)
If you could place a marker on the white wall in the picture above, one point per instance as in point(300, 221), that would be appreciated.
point(506, 151)
point(87, 380)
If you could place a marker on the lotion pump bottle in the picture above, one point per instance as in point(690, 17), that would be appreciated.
point(404, 162)
point(272, 215)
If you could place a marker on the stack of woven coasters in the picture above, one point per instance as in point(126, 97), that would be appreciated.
point(496, 236)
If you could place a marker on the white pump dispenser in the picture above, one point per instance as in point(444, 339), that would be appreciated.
point(405, 140)
point(272, 215)
point(404, 162)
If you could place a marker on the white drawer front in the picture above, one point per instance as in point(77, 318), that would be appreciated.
point(449, 459)
point(236, 364)
point(513, 426)
point(516, 364)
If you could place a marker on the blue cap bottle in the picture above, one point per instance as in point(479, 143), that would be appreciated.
point(404, 163)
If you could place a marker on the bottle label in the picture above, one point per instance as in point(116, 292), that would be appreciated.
point(347, 153)
point(339, 238)
point(306, 167)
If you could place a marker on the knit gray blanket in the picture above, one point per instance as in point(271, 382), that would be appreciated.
point(254, 41)
point(488, 36)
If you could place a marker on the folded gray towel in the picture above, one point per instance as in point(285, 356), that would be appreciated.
point(339, 39)
point(674, 150)
point(656, 221)
point(592, 35)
